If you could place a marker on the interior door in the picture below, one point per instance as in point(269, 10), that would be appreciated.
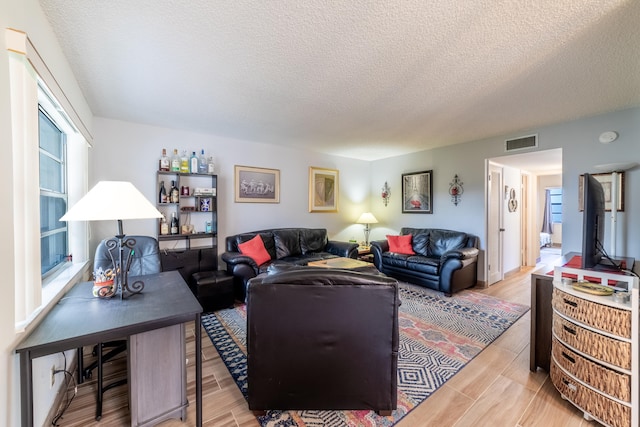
point(495, 229)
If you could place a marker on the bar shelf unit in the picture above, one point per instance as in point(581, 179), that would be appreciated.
point(196, 209)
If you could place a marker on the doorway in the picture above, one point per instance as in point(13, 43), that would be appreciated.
point(531, 173)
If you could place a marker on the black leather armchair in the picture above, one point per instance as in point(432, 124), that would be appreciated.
point(322, 339)
point(295, 246)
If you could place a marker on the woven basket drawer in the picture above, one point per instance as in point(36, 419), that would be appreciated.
point(609, 319)
point(607, 380)
point(601, 347)
point(596, 404)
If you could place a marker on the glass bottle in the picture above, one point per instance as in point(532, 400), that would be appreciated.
point(211, 168)
point(174, 223)
point(184, 162)
point(174, 194)
point(193, 163)
point(164, 164)
point(162, 198)
point(164, 226)
point(202, 162)
point(175, 161)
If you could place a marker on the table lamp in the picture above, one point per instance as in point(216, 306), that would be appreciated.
point(115, 200)
point(367, 218)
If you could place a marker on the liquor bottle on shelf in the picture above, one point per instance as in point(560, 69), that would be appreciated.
point(193, 163)
point(211, 167)
point(202, 162)
point(174, 223)
point(162, 198)
point(175, 161)
point(164, 226)
point(164, 163)
point(184, 162)
point(174, 194)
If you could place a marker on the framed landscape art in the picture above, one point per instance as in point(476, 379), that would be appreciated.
point(323, 190)
point(256, 185)
point(417, 190)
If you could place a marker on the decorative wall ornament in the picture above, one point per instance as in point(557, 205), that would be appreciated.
point(386, 193)
point(513, 202)
point(456, 190)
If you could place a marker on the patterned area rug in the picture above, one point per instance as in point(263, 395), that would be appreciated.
point(438, 336)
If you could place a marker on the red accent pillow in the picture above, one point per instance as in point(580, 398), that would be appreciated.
point(401, 244)
point(255, 250)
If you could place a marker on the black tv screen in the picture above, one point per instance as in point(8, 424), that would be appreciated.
point(592, 222)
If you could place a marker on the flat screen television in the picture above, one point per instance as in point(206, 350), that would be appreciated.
point(592, 222)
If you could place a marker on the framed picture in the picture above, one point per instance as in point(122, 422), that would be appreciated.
point(606, 179)
point(323, 190)
point(417, 190)
point(256, 185)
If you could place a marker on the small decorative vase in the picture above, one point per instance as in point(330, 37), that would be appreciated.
point(103, 289)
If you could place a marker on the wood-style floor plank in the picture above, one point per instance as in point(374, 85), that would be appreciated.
point(495, 388)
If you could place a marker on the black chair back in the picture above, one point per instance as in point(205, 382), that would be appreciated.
point(145, 254)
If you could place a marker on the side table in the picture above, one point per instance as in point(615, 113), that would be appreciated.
point(364, 254)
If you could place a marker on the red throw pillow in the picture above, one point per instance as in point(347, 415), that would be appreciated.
point(255, 250)
point(400, 244)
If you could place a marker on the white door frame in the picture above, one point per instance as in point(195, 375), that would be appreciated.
point(494, 223)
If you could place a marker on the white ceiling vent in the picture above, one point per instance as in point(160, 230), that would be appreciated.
point(530, 141)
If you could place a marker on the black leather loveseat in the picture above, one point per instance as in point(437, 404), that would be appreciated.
point(296, 246)
point(322, 339)
point(444, 260)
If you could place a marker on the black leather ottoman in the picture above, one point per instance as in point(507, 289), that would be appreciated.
point(214, 289)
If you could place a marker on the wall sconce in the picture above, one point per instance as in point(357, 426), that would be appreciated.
point(456, 190)
point(386, 193)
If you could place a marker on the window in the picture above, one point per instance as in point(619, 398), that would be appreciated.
point(555, 195)
point(54, 245)
point(49, 149)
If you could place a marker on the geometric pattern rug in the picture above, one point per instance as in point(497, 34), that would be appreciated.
point(438, 336)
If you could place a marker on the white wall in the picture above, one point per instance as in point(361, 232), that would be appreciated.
point(130, 152)
point(581, 152)
point(24, 15)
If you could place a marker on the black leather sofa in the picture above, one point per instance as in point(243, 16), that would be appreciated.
point(444, 260)
point(296, 246)
point(322, 339)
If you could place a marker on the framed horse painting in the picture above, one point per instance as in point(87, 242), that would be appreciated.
point(256, 185)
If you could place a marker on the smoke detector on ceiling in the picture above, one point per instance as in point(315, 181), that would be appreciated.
point(608, 137)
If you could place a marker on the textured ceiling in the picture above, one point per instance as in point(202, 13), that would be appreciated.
point(363, 79)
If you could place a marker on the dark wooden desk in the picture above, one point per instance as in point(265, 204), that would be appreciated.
point(79, 319)
point(542, 311)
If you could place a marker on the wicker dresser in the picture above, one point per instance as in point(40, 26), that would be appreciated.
point(595, 355)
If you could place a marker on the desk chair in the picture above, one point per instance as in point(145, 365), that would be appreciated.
point(146, 260)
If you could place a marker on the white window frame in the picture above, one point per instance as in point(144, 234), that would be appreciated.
point(33, 296)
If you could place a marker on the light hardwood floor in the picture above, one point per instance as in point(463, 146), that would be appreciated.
point(494, 389)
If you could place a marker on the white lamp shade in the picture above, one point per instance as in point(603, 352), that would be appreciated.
point(367, 218)
point(112, 200)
